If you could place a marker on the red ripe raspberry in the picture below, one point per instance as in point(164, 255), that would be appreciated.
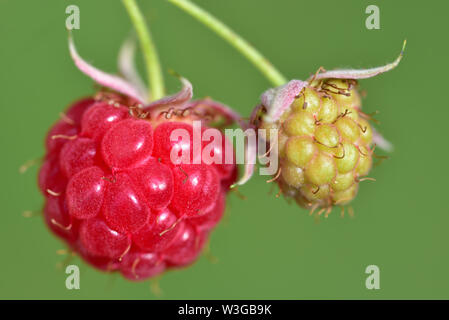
point(113, 193)
point(114, 196)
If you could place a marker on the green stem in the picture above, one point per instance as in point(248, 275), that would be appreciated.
point(254, 56)
point(154, 71)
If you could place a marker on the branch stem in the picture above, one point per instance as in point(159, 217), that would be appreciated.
point(246, 49)
point(154, 72)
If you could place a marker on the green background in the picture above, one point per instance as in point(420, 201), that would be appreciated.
point(265, 247)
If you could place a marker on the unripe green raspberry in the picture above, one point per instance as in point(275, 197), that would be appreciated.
point(324, 144)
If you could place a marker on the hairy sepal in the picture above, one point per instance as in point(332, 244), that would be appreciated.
point(105, 79)
point(277, 100)
point(361, 73)
point(127, 67)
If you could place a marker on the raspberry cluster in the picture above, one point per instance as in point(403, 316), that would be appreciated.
point(324, 144)
point(114, 196)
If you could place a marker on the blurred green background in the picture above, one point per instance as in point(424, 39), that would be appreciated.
point(265, 247)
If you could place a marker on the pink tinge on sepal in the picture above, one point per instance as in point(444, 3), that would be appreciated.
point(127, 67)
point(176, 100)
point(279, 99)
point(105, 79)
point(380, 141)
point(362, 73)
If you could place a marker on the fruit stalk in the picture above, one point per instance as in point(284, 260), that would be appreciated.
point(256, 58)
point(154, 71)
